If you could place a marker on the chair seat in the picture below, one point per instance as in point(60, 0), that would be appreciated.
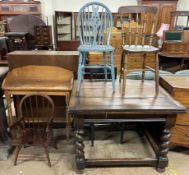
point(97, 48)
point(33, 137)
point(140, 48)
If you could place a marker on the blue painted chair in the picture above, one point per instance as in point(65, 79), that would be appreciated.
point(94, 26)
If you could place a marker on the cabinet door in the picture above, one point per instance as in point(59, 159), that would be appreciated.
point(63, 26)
point(164, 9)
point(165, 12)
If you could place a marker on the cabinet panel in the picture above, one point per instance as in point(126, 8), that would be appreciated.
point(180, 135)
point(65, 31)
point(68, 45)
point(9, 9)
point(63, 28)
point(177, 86)
point(164, 9)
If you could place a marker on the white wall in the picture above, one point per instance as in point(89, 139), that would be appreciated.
point(183, 5)
point(75, 5)
point(50, 6)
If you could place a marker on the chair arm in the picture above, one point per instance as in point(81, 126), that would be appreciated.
point(151, 35)
point(16, 123)
point(49, 124)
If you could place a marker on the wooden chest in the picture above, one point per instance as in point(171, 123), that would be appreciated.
point(19, 41)
point(178, 87)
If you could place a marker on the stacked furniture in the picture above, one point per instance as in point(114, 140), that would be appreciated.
point(178, 87)
point(30, 79)
point(176, 40)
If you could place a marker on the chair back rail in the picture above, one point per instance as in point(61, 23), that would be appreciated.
point(145, 24)
point(94, 24)
point(37, 111)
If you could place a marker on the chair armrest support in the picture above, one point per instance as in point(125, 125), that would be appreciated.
point(16, 123)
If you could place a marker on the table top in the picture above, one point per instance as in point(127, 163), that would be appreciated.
point(43, 52)
point(39, 78)
point(176, 82)
point(97, 97)
point(64, 59)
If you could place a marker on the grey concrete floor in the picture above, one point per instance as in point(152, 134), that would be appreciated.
point(32, 160)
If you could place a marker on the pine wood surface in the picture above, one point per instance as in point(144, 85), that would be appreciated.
point(48, 80)
point(178, 87)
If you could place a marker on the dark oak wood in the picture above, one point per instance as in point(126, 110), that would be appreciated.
point(68, 45)
point(138, 104)
point(25, 23)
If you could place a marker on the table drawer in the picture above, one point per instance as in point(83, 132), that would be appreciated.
point(180, 135)
point(183, 119)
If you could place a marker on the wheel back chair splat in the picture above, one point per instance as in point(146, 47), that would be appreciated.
point(138, 39)
point(33, 124)
point(94, 26)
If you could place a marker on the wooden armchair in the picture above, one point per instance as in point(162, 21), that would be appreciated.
point(138, 35)
point(33, 124)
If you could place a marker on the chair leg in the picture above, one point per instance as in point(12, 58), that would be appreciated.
point(105, 65)
point(18, 148)
point(124, 73)
point(112, 70)
point(92, 133)
point(79, 73)
point(47, 155)
point(54, 144)
point(121, 66)
point(122, 129)
point(84, 56)
point(157, 74)
point(68, 125)
point(143, 67)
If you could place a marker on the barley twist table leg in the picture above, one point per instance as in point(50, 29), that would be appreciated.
point(80, 157)
point(164, 146)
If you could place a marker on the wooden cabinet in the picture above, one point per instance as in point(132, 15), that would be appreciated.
point(66, 34)
point(164, 9)
point(9, 9)
point(65, 31)
point(43, 37)
point(178, 87)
